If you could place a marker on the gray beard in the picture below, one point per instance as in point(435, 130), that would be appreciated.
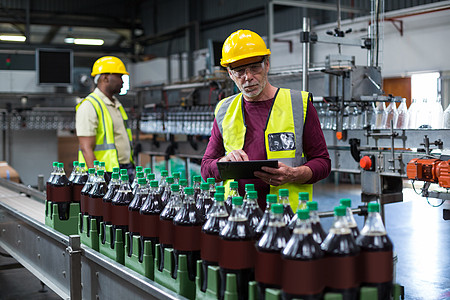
point(252, 95)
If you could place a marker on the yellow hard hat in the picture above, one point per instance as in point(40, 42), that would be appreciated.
point(242, 44)
point(108, 64)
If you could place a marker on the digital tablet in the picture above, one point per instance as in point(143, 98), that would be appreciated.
point(243, 169)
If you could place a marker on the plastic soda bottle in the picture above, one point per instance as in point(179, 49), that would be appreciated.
point(197, 179)
point(134, 208)
point(287, 210)
point(252, 210)
point(150, 211)
point(262, 225)
point(163, 183)
point(317, 230)
point(49, 181)
point(78, 182)
point(167, 191)
point(233, 193)
point(61, 192)
point(96, 194)
point(350, 219)
point(212, 187)
point(135, 180)
point(84, 197)
point(119, 207)
point(204, 201)
point(74, 171)
point(138, 176)
point(248, 188)
point(113, 187)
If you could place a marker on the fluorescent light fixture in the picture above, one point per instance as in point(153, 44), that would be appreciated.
point(12, 38)
point(90, 42)
point(69, 40)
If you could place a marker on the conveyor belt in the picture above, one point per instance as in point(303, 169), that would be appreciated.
point(72, 270)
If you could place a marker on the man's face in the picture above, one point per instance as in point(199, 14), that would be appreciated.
point(115, 83)
point(250, 75)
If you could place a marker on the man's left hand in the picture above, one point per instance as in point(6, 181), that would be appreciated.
point(284, 174)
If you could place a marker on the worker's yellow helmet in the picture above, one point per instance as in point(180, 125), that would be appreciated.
point(108, 64)
point(242, 44)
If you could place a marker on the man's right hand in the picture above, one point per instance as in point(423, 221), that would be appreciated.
point(235, 155)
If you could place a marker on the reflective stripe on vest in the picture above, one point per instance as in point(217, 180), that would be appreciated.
point(283, 132)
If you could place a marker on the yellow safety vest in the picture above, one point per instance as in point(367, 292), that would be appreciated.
point(105, 148)
point(283, 133)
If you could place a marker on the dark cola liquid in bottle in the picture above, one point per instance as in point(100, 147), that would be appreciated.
point(301, 262)
point(138, 176)
point(210, 241)
point(188, 224)
point(262, 225)
point(268, 254)
point(49, 181)
point(78, 182)
point(74, 171)
point(233, 193)
point(252, 210)
point(166, 227)
point(84, 194)
point(287, 210)
point(119, 207)
point(237, 255)
point(350, 219)
point(197, 179)
point(61, 192)
point(303, 198)
point(376, 252)
point(317, 230)
point(249, 187)
point(341, 249)
point(204, 200)
point(113, 187)
point(167, 191)
point(212, 186)
point(134, 218)
point(163, 182)
point(149, 216)
point(96, 194)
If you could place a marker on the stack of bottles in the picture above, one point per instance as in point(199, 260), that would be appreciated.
point(277, 248)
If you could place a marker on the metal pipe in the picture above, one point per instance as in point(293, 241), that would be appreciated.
point(327, 214)
point(270, 21)
point(305, 55)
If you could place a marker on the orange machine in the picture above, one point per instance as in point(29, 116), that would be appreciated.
point(429, 169)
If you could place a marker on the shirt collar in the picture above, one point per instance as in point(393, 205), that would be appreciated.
point(105, 99)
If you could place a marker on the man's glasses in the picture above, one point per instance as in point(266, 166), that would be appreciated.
point(253, 68)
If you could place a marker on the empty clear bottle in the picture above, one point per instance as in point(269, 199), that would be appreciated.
point(402, 112)
point(350, 219)
point(252, 210)
point(268, 254)
point(262, 225)
point(287, 210)
point(233, 193)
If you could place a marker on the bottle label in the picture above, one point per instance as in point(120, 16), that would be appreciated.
point(119, 215)
point(95, 206)
point(237, 255)
point(376, 266)
point(303, 277)
point(76, 192)
point(133, 221)
point(149, 225)
point(210, 247)
point(268, 268)
point(166, 232)
point(343, 271)
point(61, 194)
point(83, 204)
point(187, 238)
point(107, 207)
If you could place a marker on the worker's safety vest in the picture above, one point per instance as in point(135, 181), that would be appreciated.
point(283, 134)
point(105, 148)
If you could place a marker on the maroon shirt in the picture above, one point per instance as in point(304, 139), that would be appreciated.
point(255, 114)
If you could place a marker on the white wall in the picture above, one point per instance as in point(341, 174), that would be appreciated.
point(14, 81)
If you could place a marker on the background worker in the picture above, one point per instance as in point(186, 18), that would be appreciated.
point(265, 122)
point(101, 120)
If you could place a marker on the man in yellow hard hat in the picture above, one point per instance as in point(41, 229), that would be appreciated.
point(265, 122)
point(101, 121)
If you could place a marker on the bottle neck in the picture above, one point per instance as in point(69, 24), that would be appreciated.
point(374, 225)
point(189, 199)
point(284, 200)
point(314, 216)
point(350, 218)
point(237, 214)
point(125, 187)
point(340, 226)
point(303, 227)
point(142, 189)
point(234, 192)
point(251, 202)
point(276, 220)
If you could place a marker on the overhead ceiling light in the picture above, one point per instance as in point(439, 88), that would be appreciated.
point(12, 38)
point(69, 40)
point(89, 42)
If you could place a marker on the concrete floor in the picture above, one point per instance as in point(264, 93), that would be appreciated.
point(421, 241)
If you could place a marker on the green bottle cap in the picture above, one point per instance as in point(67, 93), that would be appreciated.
point(204, 186)
point(102, 164)
point(123, 172)
point(189, 190)
point(271, 198)
point(140, 175)
point(249, 187)
point(211, 181)
point(303, 214)
point(277, 208)
point(150, 176)
point(283, 192)
point(252, 195)
point(312, 205)
point(115, 176)
point(169, 180)
point(139, 169)
point(220, 189)
point(124, 178)
point(147, 170)
point(176, 175)
point(75, 163)
point(116, 170)
point(60, 165)
point(154, 183)
point(197, 178)
point(303, 196)
point(237, 201)
point(373, 207)
point(183, 182)
point(234, 184)
point(346, 202)
point(91, 171)
point(101, 172)
point(164, 173)
point(219, 197)
point(96, 162)
point(175, 187)
point(340, 210)
point(55, 164)
point(142, 181)
point(82, 165)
